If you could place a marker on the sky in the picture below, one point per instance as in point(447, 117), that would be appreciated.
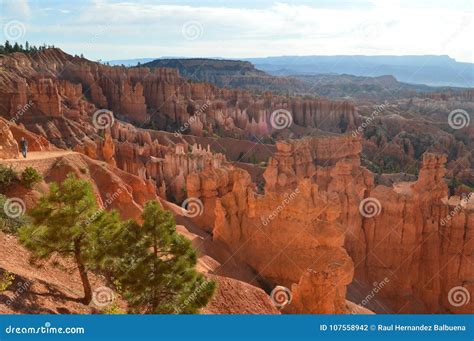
point(115, 29)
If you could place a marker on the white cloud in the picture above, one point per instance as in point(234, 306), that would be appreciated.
point(19, 9)
point(387, 27)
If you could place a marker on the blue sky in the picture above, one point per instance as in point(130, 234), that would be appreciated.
point(114, 29)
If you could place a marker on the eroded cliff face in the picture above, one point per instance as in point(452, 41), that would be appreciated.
point(8, 145)
point(61, 86)
point(290, 234)
point(126, 193)
point(319, 202)
point(167, 163)
point(413, 242)
point(56, 95)
point(306, 229)
point(399, 132)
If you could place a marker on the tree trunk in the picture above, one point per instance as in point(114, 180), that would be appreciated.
point(83, 273)
point(154, 303)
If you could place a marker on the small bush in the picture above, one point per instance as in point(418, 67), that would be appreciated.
point(6, 280)
point(113, 309)
point(30, 177)
point(7, 177)
point(253, 159)
point(8, 224)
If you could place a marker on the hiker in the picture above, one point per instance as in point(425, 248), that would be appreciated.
point(24, 147)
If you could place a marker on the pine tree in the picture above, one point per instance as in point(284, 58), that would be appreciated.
point(66, 221)
point(155, 266)
point(8, 47)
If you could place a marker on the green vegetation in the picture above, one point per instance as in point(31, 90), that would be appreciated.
point(7, 177)
point(7, 223)
point(155, 265)
point(30, 177)
point(113, 309)
point(253, 159)
point(9, 48)
point(150, 265)
point(66, 221)
point(6, 280)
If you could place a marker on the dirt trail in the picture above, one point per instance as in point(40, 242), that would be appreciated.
point(39, 160)
point(39, 156)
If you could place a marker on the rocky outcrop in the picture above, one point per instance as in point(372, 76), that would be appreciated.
point(319, 202)
point(8, 145)
point(165, 162)
point(399, 132)
point(306, 228)
point(35, 143)
point(60, 85)
point(290, 234)
point(321, 290)
point(406, 240)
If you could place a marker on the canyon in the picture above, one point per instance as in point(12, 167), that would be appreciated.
point(294, 207)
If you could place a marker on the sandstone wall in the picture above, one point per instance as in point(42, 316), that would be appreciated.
point(410, 243)
point(8, 145)
point(296, 234)
point(61, 85)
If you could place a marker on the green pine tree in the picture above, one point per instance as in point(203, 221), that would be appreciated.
point(66, 221)
point(155, 266)
point(8, 47)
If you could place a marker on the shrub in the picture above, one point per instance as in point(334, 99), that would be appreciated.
point(30, 177)
point(7, 177)
point(113, 309)
point(253, 159)
point(7, 223)
point(6, 280)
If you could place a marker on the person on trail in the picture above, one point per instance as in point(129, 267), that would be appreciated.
point(24, 146)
